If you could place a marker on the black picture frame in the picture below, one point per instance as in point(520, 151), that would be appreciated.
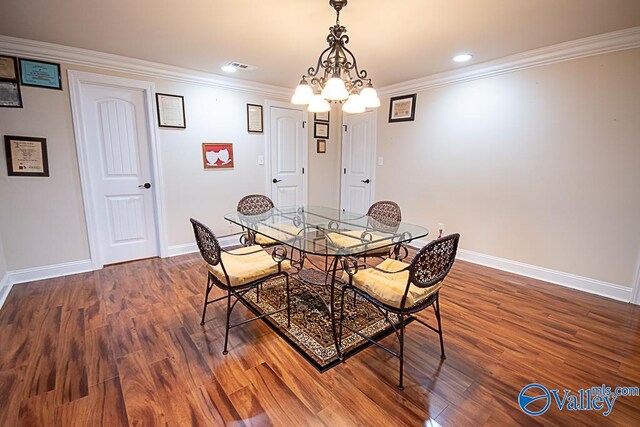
point(161, 120)
point(321, 146)
point(10, 95)
point(8, 139)
point(25, 74)
point(399, 99)
point(317, 117)
point(255, 129)
point(3, 68)
point(321, 130)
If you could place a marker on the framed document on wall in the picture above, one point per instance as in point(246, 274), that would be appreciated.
point(254, 118)
point(40, 74)
point(170, 111)
point(320, 130)
point(26, 156)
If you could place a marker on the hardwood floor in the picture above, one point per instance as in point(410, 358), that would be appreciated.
point(123, 345)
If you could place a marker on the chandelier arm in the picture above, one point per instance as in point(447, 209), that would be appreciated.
point(361, 74)
point(311, 72)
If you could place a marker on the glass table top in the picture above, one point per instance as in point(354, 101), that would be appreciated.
point(327, 231)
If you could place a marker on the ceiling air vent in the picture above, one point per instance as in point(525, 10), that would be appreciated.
point(240, 66)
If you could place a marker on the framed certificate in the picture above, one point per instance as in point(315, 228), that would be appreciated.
point(26, 156)
point(10, 95)
point(170, 111)
point(320, 130)
point(321, 146)
point(40, 74)
point(321, 117)
point(402, 108)
point(254, 118)
point(8, 68)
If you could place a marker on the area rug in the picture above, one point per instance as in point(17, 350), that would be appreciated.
point(310, 332)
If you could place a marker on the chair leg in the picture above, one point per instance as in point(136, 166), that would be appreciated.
point(286, 278)
point(401, 339)
point(226, 333)
point(341, 316)
point(206, 298)
point(436, 309)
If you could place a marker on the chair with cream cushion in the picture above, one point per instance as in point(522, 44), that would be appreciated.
point(403, 289)
point(384, 217)
point(238, 271)
point(254, 205)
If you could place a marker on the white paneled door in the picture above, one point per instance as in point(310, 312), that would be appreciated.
point(287, 156)
point(115, 127)
point(358, 152)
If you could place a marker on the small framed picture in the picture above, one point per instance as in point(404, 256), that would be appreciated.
point(402, 108)
point(320, 130)
point(217, 155)
point(254, 118)
point(26, 156)
point(8, 68)
point(170, 111)
point(321, 146)
point(10, 95)
point(40, 74)
point(321, 117)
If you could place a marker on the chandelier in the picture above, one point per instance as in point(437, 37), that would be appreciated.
point(336, 76)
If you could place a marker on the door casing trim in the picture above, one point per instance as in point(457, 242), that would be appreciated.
point(76, 79)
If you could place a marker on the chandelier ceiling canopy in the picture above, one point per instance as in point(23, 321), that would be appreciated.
point(336, 76)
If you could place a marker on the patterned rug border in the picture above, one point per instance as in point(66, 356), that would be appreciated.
point(273, 325)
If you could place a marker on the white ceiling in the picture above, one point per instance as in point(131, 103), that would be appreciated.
point(394, 40)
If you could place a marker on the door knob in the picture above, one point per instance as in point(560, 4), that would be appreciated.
point(366, 181)
point(145, 185)
point(275, 181)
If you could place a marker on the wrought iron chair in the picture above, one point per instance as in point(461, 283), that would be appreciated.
point(403, 289)
point(237, 272)
point(382, 216)
point(255, 205)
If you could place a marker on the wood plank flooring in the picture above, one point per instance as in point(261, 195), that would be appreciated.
point(123, 346)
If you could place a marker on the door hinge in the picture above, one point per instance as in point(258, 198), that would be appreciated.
point(303, 171)
point(345, 127)
point(345, 171)
point(304, 123)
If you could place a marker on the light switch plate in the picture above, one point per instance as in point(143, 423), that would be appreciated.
point(380, 161)
point(261, 160)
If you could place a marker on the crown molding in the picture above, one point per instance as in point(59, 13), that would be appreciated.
point(588, 46)
point(106, 61)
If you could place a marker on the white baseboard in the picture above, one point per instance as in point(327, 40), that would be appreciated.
point(40, 273)
point(49, 271)
point(593, 286)
point(189, 248)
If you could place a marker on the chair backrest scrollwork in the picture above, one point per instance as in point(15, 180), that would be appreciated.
point(433, 262)
point(254, 204)
point(384, 215)
point(207, 242)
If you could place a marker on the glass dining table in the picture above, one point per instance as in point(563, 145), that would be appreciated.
point(317, 232)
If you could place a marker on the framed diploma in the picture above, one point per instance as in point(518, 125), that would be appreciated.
point(254, 118)
point(170, 111)
point(321, 117)
point(321, 146)
point(10, 95)
point(40, 74)
point(320, 130)
point(26, 156)
point(402, 108)
point(8, 68)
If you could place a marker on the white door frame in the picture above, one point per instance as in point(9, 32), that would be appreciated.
point(76, 79)
point(374, 136)
point(267, 149)
point(635, 293)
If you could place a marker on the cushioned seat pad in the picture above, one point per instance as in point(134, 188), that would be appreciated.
point(353, 238)
point(389, 288)
point(281, 232)
point(243, 269)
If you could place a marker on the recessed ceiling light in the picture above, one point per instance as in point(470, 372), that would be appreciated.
point(463, 57)
point(229, 68)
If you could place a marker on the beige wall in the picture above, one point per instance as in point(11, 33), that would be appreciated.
point(42, 219)
point(3, 263)
point(324, 169)
point(540, 166)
